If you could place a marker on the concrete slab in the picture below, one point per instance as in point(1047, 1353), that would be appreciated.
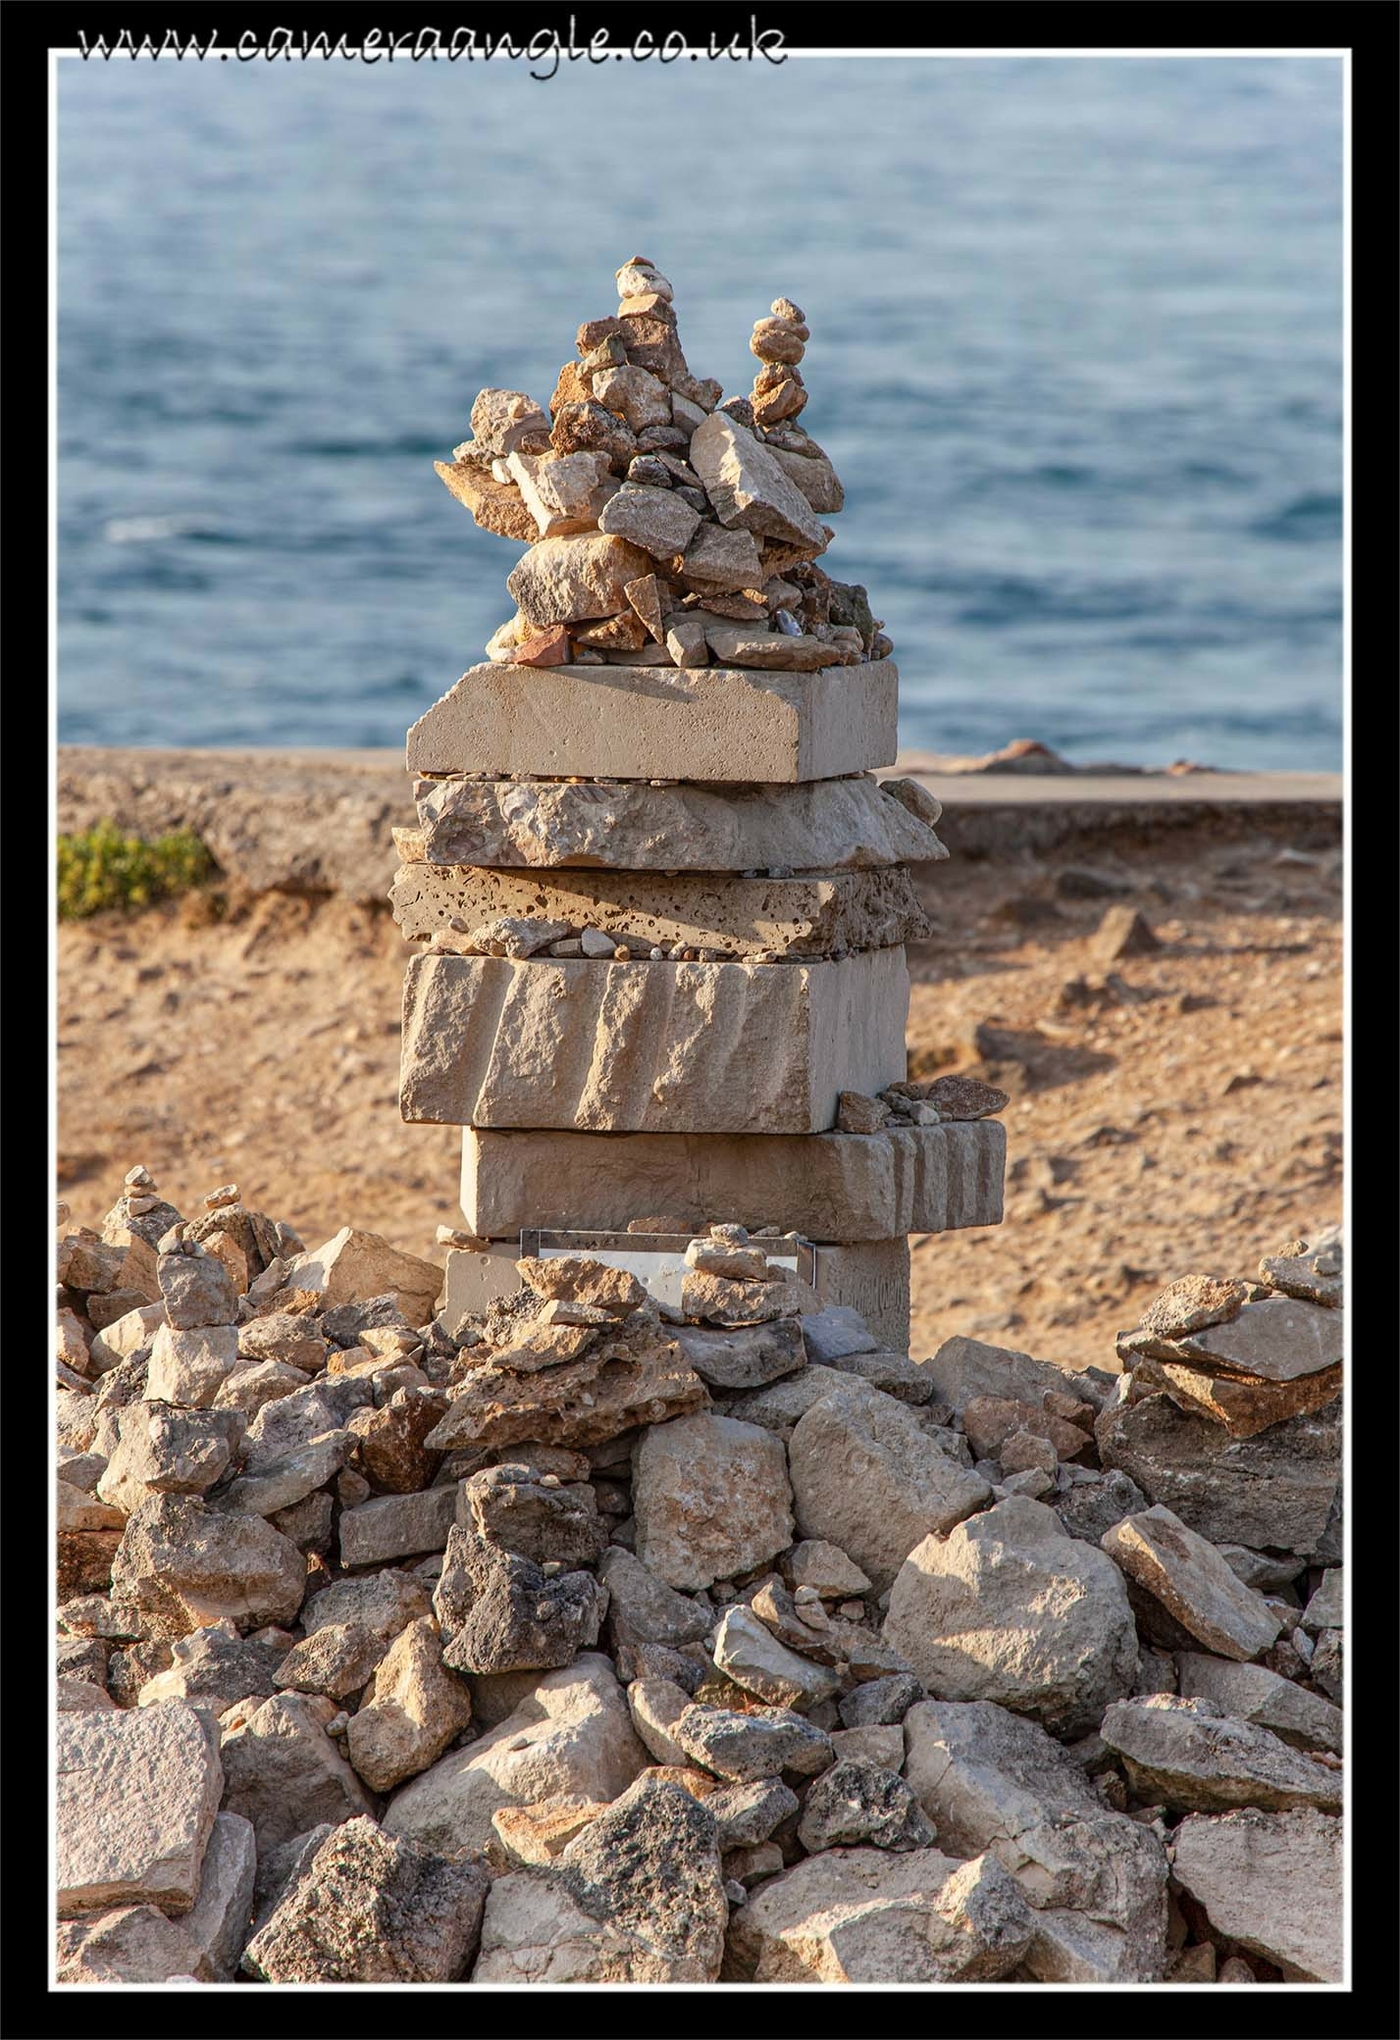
point(649, 1047)
point(714, 723)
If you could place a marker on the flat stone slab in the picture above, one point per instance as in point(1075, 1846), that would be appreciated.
point(815, 914)
point(646, 722)
point(138, 1790)
point(827, 1186)
point(1274, 1882)
point(823, 825)
point(648, 1047)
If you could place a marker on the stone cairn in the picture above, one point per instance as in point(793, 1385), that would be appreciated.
point(662, 896)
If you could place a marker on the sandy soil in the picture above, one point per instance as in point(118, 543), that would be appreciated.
point(1185, 1117)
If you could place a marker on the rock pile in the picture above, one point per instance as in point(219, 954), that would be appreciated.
point(579, 1639)
point(661, 896)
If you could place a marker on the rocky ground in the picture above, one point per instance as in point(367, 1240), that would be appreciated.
point(1170, 1110)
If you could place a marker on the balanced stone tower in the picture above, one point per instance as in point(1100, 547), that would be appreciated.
point(661, 897)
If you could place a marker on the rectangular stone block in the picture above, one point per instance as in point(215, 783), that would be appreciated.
point(816, 914)
point(649, 1047)
point(870, 1275)
point(632, 722)
point(624, 825)
point(397, 1526)
point(827, 1186)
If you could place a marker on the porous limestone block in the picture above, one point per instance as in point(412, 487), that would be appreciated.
point(625, 824)
point(870, 1275)
point(812, 914)
point(826, 1186)
point(627, 722)
point(648, 1047)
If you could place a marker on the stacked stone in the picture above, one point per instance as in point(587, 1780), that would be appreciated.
point(663, 897)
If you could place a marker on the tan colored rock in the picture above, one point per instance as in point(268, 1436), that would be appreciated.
point(1244, 1406)
point(1254, 1693)
point(1276, 1339)
point(537, 1834)
point(1273, 1882)
point(1187, 1754)
point(413, 1708)
point(658, 520)
point(494, 506)
point(814, 915)
point(190, 1365)
point(577, 1279)
point(830, 824)
point(131, 1945)
point(648, 1047)
point(564, 493)
point(503, 420)
point(826, 1186)
point(562, 580)
point(1192, 1582)
point(748, 487)
point(634, 394)
point(354, 1266)
point(719, 723)
point(138, 1790)
point(739, 644)
point(631, 1376)
point(711, 1499)
point(867, 1477)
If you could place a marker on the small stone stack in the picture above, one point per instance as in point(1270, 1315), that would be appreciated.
point(663, 898)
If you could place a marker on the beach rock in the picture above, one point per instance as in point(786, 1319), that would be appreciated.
point(655, 519)
point(372, 1909)
point(285, 1774)
point(748, 487)
point(748, 1653)
point(1273, 1883)
point(571, 1735)
point(868, 1916)
point(1184, 1753)
point(856, 1804)
point(185, 1565)
point(711, 1499)
point(747, 1747)
point(1193, 1583)
point(564, 580)
point(1253, 1693)
point(217, 1924)
point(868, 1477)
point(990, 1779)
point(138, 1790)
point(969, 1610)
point(503, 420)
point(1272, 1491)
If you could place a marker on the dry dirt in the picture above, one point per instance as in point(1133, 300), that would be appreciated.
point(1185, 1117)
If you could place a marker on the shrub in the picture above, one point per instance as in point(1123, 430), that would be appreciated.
point(100, 868)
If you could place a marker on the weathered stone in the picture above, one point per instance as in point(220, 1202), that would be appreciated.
point(1193, 1582)
point(1185, 1753)
point(1273, 1883)
point(134, 1944)
point(964, 1369)
point(281, 1483)
point(1245, 1405)
point(564, 493)
point(185, 1564)
point(635, 395)
point(397, 1526)
point(138, 1790)
point(856, 1804)
point(868, 1477)
point(991, 1780)
point(285, 1336)
point(373, 1909)
point(1193, 1303)
point(413, 1708)
point(217, 1924)
point(391, 1451)
point(1311, 1273)
point(821, 825)
point(510, 1507)
point(717, 1300)
point(746, 1815)
point(746, 1747)
point(655, 519)
point(626, 1377)
point(1327, 1607)
point(122, 1337)
point(495, 506)
point(503, 420)
point(1095, 1502)
point(1277, 1339)
point(284, 1773)
point(745, 1356)
point(747, 1652)
point(711, 1499)
point(989, 1420)
point(1254, 1693)
point(563, 580)
point(336, 1659)
point(1272, 1491)
point(248, 1389)
point(571, 1734)
point(748, 486)
point(522, 1619)
point(190, 1366)
point(971, 1613)
point(385, 1602)
point(212, 1669)
point(355, 1265)
point(535, 1835)
point(827, 1570)
point(649, 1869)
point(868, 1916)
point(196, 1290)
point(643, 1607)
point(647, 1047)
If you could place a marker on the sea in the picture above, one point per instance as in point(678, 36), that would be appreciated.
point(1076, 352)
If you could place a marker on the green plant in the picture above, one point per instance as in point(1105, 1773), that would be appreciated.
point(100, 868)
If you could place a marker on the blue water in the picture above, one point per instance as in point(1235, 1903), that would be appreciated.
point(1076, 353)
